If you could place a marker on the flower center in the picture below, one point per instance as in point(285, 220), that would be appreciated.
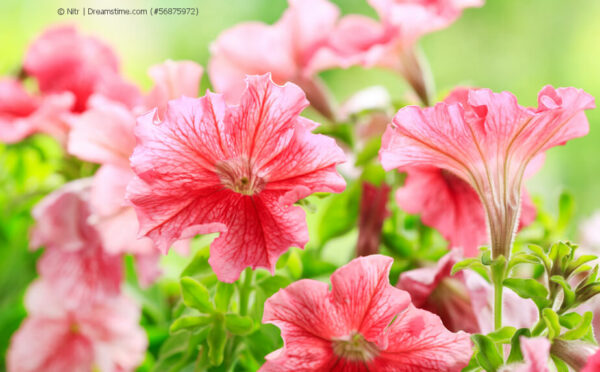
point(355, 348)
point(237, 174)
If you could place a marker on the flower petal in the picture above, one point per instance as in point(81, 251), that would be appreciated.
point(173, 79)
point(103, 133)
point(61, 60)
point(419, 341)
point(364, 299)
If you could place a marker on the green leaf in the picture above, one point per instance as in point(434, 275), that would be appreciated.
point(503, 335)
point(343, 132)
point(529, 288)
point(397, 243)
point(569, 294)
point(541, 253)
point(238, 325)
point(515, 345)
point(175, 344)
point(560, 365)
point(486, 257)
point(566, 209)
point(340, 214)
point(187, 322)
point(570, 320)
point(223, 295)
point(523, 258)
point(373, 173)
point(369, 152)
point(294, 264)
point(467, 263)
point(581, 329)
point(195, 295)
point(581, 260)
point(487, 353)
point(272, 284)
point(198, 264)
point(552, 322)
point(217, 338)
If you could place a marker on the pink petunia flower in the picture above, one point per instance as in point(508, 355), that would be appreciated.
point(415, 18)
point(63, 60)
point(488, 140)
point(362, 324)
point(105, 337)
point(463, 301)
point(390, 43)
point(237, 170)
point(450, 205)
point(284, 49)
point(74, 262)
point(536, 353)
point(104, 134)
point(22, 114)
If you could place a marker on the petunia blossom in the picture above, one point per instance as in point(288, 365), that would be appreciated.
point(464, 300)
point(104, 338)
point(362, 324)
point(209, 167)
point(391, 41)
point(284, 49)
point(23, 114)
point(63, 60)
point(451, 206)
point(488, 140)
point(104, 134)
point(74, 261)
point(415, 18)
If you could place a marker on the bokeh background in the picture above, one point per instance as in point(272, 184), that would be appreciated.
point(511, 45)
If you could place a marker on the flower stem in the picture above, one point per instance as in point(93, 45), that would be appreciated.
point(498, 273)
point(416, 71)
point(245, 290)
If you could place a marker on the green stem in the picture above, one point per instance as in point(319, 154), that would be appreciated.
point(498, 273)
point(245, 290)
point(539, 327)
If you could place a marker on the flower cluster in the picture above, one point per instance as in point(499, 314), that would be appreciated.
point(78, 316)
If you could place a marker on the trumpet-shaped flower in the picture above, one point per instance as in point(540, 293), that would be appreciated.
point(74, 262)
point(285, 50)
point(22, 114)
point(451, 206)
point(105, 337)
point(415, 18)
point(464, 300)
point(389, 43)
point(362, 324)
point(209, 167)
point(488, 140)
point(63, 60)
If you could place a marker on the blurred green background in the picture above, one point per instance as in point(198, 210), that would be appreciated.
point(512, 45)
